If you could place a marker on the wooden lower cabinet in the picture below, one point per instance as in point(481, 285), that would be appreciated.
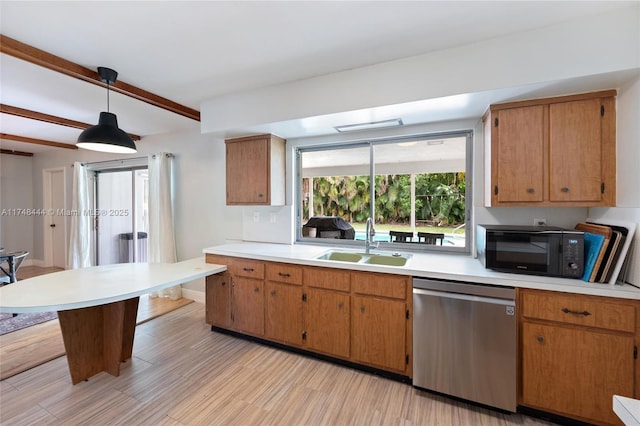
point(218, 300)
point(247, 305)
point(283, 313)
point(576, 352)
point(327, 318)
point(378, 332)
point(575, 372)
point(353, 316)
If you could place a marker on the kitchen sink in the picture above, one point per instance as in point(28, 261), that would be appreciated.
point(386, 259)
point(392, 260)
point(341, 256)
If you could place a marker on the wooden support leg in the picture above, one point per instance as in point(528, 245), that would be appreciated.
point(98, 338)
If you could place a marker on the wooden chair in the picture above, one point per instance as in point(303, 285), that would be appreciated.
point(9, 264)
point(400, 237)
point(430, 238)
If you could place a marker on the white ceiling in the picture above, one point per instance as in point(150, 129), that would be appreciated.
point(192, 51)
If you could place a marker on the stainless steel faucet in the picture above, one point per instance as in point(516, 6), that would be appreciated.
point(370, 232)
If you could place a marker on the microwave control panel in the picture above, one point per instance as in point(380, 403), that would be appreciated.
point(572, 256)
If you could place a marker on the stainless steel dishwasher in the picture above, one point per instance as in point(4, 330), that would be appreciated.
point(464, 341)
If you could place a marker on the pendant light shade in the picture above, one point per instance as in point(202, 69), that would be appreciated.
point(106, 136)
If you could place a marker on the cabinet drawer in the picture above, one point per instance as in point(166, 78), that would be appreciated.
point(333, 279)
point(393, 286)
point(217, 259)
point(247, 268)
point(284, 273)
point(591, 311)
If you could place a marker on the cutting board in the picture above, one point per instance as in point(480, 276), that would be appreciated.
point(606, 233)
point(603, 230)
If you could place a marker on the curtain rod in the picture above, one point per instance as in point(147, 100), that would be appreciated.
point(167, 154)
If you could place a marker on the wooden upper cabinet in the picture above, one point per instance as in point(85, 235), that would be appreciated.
point(519, 134)
point(255, 170)
point(576, 150)
point(552, 152)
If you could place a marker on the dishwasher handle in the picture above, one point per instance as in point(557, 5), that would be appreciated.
point(467, 297)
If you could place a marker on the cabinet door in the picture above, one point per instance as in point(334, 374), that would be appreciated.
point(247, 312)
point(378, 332)
point(326, 322)
point(218, 300)
point(283, 304)
point(248, 172)
point(575, 371)
point(518, 155)
point(575, 151)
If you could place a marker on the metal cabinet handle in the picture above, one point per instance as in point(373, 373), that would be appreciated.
point(531, 190)
point(362, 309)
point(540, 339)
point(569, 311)
point(223, 283)
point(284, 275)
point(340, 305)
point(273, 292)
point(256, 290)
point(564, 189)
point(248, 269)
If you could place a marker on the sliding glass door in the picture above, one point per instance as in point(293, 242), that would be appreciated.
point(122, 216)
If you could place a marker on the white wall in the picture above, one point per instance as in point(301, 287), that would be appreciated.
point(201, 217)
point(628, 171)
point(605, 43)
point(16, 192)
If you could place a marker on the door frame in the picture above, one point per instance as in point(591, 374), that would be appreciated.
point(48, 208)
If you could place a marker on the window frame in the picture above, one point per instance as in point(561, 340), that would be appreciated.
point(371, 143)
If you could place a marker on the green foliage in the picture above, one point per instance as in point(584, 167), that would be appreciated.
point(440, 198)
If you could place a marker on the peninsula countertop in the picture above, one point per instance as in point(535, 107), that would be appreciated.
point(455, 267)
point(99, 285)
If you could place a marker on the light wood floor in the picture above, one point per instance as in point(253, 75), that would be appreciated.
point(40, 343)
point(181, 373)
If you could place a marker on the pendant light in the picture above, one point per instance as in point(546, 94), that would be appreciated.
point(106, 136)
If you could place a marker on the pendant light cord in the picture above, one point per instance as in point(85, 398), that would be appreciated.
point(108, 110)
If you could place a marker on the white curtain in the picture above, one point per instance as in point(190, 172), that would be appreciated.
point(79, 255)
point(162, 245)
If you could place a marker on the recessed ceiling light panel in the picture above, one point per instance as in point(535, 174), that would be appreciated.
point(368, 126)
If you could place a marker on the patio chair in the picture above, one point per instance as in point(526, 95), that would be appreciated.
point(430, 238)
point(400, 237)
point(9, 264)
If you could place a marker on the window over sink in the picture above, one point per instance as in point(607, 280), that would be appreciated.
point(415, 189)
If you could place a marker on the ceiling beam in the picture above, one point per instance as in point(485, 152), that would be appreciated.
point(36, 141)
point(34, 115)
point(12, 152)
point(36, 56)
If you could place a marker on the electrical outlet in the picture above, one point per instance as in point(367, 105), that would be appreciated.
point(256, 216)
point(540, 221)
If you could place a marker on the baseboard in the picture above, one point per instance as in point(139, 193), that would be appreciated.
point(196, 296)
point(34, 262)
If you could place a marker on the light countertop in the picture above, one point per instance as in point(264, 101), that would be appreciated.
point(428, 265)
point(628, 409)
point(98, 285)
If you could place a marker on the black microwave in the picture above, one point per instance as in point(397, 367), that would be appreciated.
point(537, 250)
